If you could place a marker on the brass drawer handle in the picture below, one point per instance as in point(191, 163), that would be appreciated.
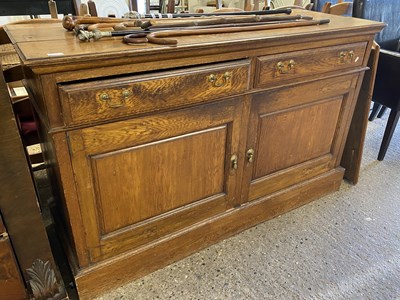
point(346, 56)
point(285, 67)
point(112, 103)
point(219, 83)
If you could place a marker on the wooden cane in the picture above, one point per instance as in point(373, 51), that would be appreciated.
point(220, 20)
point(162, 37)
point(70, 22)
point(102, 29)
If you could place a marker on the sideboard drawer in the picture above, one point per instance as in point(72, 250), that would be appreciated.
point(273, 70)
point(112, 98)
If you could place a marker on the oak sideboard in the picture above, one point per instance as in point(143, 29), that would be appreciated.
point(158, 151)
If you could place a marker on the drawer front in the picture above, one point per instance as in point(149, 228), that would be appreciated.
point(113, 98)
point(277, 69)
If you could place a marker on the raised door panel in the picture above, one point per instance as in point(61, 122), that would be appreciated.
point(296, 133)
point(155, 178)
point(144, 179)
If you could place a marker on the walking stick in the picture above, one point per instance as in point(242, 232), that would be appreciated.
point(69, 22)
point(162, 37)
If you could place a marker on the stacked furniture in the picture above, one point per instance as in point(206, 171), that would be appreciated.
point(24, 245)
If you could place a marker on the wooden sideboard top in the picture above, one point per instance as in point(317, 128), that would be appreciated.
point(42, 45)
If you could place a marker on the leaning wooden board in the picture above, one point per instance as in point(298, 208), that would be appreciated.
point(159, 151)
point(25, 244)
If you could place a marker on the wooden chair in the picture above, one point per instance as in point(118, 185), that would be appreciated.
point(35, 7)
point(163, 6)
point(339, 9)
point(298, 4)
point(387, 89)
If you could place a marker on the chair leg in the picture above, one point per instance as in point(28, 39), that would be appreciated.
point(390, 127)
point(381, 112)
point(374, 111)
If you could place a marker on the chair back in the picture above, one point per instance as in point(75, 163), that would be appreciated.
point(319, 5)
point(339, 9)
point(286, 3)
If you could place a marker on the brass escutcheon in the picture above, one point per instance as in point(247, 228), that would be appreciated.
point(250, 155)
point(234, 162)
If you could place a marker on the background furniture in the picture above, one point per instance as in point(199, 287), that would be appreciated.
point(24, 115)
point(319, 5)
point(25, 249)
point(307, 4)
point(386, 90)
point(35, 7)
point(161, 151)
point(208, 6)
point(21, 215)
point(339, 9)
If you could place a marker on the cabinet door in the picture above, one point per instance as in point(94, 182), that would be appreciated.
point(143, 179)
point(296, 133)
